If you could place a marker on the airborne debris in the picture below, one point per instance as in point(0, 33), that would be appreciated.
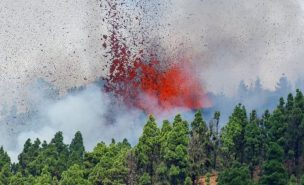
point(140, 76)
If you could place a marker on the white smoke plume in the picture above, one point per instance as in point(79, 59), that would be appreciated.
point(99, 116)
point(94, 113)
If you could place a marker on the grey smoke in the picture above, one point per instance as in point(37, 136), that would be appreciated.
point(96, 114)
point(101, 117)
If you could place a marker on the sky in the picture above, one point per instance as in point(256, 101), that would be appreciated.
point(58, 41)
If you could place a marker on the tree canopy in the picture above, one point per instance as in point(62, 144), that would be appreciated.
point(265, 149)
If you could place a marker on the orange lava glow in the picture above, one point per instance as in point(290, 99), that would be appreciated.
point(143, 81)
point(151, 87)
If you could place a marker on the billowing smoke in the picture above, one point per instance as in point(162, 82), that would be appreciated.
point(97, 115)
point(101, 117)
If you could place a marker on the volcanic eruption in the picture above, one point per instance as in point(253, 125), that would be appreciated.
point(140, 76)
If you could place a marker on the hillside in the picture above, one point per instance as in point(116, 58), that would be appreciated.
point(265, 149)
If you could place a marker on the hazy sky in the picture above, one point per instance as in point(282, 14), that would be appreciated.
point(234, 40)
point(242, 39)
point(52, 39)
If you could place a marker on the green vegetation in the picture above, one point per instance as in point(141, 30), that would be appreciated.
point(266, 150)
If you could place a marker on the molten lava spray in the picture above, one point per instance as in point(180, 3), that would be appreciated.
point(142, 80)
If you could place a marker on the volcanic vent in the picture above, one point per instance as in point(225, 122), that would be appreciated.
point(139, 75)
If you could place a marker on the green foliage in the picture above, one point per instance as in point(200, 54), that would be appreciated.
point(215, 139)
point(200, 147)
point(110, 165)
point(254, 143)
point(233, 135)
point(45, 178)
point(76, 149)
point(188, 181)
point(61, 155)
point(273, 171)
point(5, 174)
point(176, 151)
point(236, 175)
point(147, 150)
point(208, 176)
point(162, 174)
point(27, 156)
point(292, 180)
point(266, 150)
point(74, 176)
point(18, 179)
point(145, 179)
point(302, 180)
point(4, 158)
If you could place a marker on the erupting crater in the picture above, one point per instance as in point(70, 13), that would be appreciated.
point(143, 81)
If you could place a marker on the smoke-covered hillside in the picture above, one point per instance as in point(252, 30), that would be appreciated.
point(95, 113)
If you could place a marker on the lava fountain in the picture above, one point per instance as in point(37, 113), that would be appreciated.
point(143, 81)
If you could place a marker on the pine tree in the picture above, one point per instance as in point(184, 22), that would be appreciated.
point(5, 174)
point(76, 150)
point(273, 171)
point(4, 158)
point(200, 148)
point(111, 168)
point(295, 131)
point(131, 163)
point(253, 142)
point(292, 180)
point(62, 152)
point(45, 178)
point(236, 175)
point(233, 135)
point(215, 138)
point(147, 150)
point(29, 154)
point(176, 154)
point(74, 176)
point(162, 169)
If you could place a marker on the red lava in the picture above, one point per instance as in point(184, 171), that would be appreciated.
point(143, 82)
